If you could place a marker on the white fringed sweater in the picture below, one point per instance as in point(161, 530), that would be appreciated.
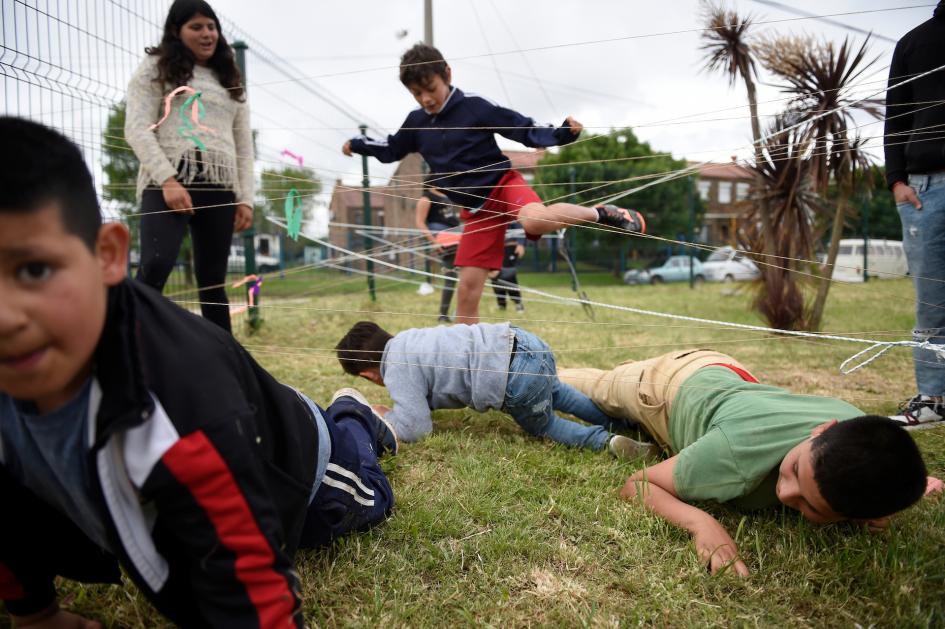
point(228, 160)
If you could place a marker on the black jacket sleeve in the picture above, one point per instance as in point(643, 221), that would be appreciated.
point(211, 499)
point(524, 130)
point(394, 148)
point(899, 109)
point(37, 543)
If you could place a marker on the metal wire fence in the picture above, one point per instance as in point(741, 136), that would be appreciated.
point(66, 64)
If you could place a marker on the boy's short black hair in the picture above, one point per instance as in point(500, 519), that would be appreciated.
point(868, 467)
point(39, 166)
point(362, 347)
point(420, 64)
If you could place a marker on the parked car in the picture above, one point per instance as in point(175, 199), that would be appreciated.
point(885, 260)
point(675, 269)
point(236, 263)
point(727, 264)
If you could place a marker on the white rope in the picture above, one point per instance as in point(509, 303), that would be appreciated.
point(939, 350)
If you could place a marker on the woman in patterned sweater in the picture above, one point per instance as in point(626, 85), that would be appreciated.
point(197, 162)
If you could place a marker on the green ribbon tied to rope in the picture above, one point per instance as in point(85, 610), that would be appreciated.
point(293, 213)
point(187, 128)
point(189, 125)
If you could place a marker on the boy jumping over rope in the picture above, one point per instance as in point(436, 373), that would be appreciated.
point(455, 133)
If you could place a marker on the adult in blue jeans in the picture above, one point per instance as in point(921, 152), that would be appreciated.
point(915, 172)
point(483, 366)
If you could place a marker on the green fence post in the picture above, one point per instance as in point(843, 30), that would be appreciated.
point(569, 234)
point(249, 235)
point(366, 187)
point(692, 224)
point(866, 241)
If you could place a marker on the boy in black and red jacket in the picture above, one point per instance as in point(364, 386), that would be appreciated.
point(455, 134)
point(136, 434)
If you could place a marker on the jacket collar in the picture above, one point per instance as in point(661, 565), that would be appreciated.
point(455, 96)
point(117, 363)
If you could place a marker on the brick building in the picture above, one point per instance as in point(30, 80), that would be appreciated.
point(721, 187)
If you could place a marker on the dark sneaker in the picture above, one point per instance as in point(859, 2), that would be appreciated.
point(386, 437)
point(920, 410)
point(626, 448)
point(519, 308)
point(443, 319)
point(626, 220)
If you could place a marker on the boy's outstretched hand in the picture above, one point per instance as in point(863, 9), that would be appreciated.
point(933, 485)
point(717, 549)
point(576, 127)
point(380, 409)
point(346, 149)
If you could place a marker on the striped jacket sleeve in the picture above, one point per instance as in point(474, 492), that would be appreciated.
point(394, 148)
point(212, 499)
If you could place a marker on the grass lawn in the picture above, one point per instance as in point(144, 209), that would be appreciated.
point(495, 528)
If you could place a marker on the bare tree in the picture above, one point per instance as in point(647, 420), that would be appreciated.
point(821, 77)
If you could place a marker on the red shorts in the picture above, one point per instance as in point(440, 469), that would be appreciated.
point(483, 241)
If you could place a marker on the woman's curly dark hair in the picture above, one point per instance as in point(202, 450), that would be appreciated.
point(176, 62)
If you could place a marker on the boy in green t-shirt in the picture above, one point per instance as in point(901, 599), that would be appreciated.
point(735, 440)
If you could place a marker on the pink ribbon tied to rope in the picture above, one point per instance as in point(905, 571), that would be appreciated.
point(189, 127)
point(298, 158)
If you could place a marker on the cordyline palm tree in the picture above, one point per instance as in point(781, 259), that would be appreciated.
point(728, 50)
point(821, 77)
point(787, 193)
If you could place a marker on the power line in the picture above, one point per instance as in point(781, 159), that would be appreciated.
point(825, 20)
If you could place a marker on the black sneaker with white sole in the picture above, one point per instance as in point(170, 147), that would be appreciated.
point(921, 409)
point(386, 437)
point(623, 219)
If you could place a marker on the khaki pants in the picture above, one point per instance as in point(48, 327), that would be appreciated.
point(643, 390)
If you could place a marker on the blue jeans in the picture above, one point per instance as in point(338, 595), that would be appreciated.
point(923, 239)
point(534, 393)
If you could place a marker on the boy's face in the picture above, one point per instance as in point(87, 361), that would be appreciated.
point(432, 94)
point(796, 485)
point(373, 375)
point(52, 303)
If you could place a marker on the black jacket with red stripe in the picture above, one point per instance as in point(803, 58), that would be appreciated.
point(202, 463)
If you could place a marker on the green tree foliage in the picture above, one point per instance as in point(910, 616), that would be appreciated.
point(276, 185)
point(883, 218)
point(120, 163)
point(120, 166)
point(621, 158)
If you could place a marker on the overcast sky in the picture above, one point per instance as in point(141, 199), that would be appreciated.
point(646, 74)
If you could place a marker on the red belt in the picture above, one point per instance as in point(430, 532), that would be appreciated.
point(744, 375)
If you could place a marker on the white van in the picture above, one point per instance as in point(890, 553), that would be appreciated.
point(726, 264)
point(885, 260)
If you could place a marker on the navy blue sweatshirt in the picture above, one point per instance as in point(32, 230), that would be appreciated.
point(458, 143)
point(915, 112)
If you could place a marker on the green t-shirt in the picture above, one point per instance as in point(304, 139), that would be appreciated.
point(732, 435)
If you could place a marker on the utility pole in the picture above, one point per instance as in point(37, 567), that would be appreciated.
point(249, 235)
point(366, 192)
point(428, 22)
